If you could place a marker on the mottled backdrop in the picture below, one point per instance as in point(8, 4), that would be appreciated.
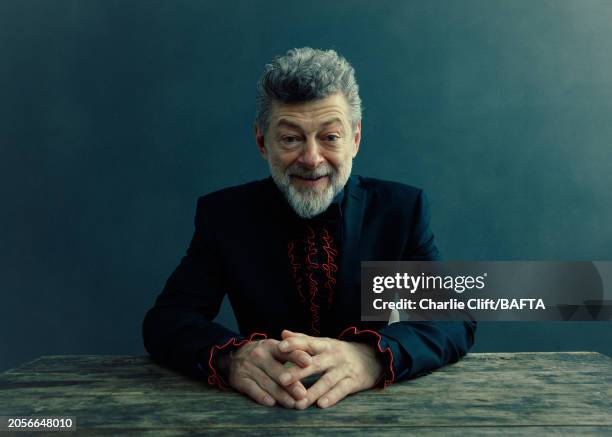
point(115, 116)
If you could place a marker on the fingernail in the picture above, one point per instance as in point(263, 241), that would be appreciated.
point(305, 361)
point(283, 345)
point(324, 402)
point(285, 378)
point(268, 401)
point(301, 404)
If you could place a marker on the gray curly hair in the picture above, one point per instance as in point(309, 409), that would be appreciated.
point(305, 74)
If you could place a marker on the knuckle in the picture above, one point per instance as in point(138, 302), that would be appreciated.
point(316, 362)
point(240, 371)
point(327, 379)
point(266, 382)
point(297, 374)
point(257, 353)
point(352, 372)
point(262, 380)
point(245, 367)
point(249, 389)
point(337, 353)
point(331, 399)
point(267, 342)
point(295, 388)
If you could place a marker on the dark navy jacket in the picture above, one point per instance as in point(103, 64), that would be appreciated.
point(240, 247)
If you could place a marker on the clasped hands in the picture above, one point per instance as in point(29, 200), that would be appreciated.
point(256, 369)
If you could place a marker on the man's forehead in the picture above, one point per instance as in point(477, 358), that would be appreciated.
point(322, 112)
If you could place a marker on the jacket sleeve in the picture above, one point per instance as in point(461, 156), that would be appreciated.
point(178, 330)
point(412, 349)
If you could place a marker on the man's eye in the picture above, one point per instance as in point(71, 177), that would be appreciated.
point(290, 139)
point(332, 137)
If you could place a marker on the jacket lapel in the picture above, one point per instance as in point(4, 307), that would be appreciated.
point(347, 305)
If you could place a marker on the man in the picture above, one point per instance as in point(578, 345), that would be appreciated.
point(287, 251)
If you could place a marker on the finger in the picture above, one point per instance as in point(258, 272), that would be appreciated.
point(322, 386)
point(319, 364)
point(255, 392)
point(286, 333)
point(338, 392)
point(272, 388)
point(312, 345)
point(273, 368)
point(296, 390)
point(300, 358)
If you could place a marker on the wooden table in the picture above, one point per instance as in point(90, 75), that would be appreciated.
point(484, 394)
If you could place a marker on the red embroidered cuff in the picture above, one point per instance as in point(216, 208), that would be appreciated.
point(373, 338)
point(214, 377)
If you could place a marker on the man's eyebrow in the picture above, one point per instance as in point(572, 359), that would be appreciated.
point(332, 121)
point(287, 123)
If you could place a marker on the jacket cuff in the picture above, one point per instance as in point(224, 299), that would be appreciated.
point(214, 376)
point(374, 339)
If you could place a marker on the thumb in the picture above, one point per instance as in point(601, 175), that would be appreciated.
point(286, 333)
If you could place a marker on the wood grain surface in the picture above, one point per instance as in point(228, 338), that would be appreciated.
point(484, 394)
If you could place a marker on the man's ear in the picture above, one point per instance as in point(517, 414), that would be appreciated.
point(259, 139)
point(356, 137)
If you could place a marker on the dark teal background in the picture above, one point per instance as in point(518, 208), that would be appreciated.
point(116, 115)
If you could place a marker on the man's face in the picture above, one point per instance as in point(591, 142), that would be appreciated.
point(310, 148)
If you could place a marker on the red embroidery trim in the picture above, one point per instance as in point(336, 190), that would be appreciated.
point(309, 269)
point(313, 286)
point(295, 269)
point(330, 266)
point(214, 378)
point(356, 331)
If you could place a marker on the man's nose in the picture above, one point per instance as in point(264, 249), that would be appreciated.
point(311, 154)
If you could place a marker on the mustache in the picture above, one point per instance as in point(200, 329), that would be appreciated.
point(324, 170)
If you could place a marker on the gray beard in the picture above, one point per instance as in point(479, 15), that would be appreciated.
point(309, 203)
